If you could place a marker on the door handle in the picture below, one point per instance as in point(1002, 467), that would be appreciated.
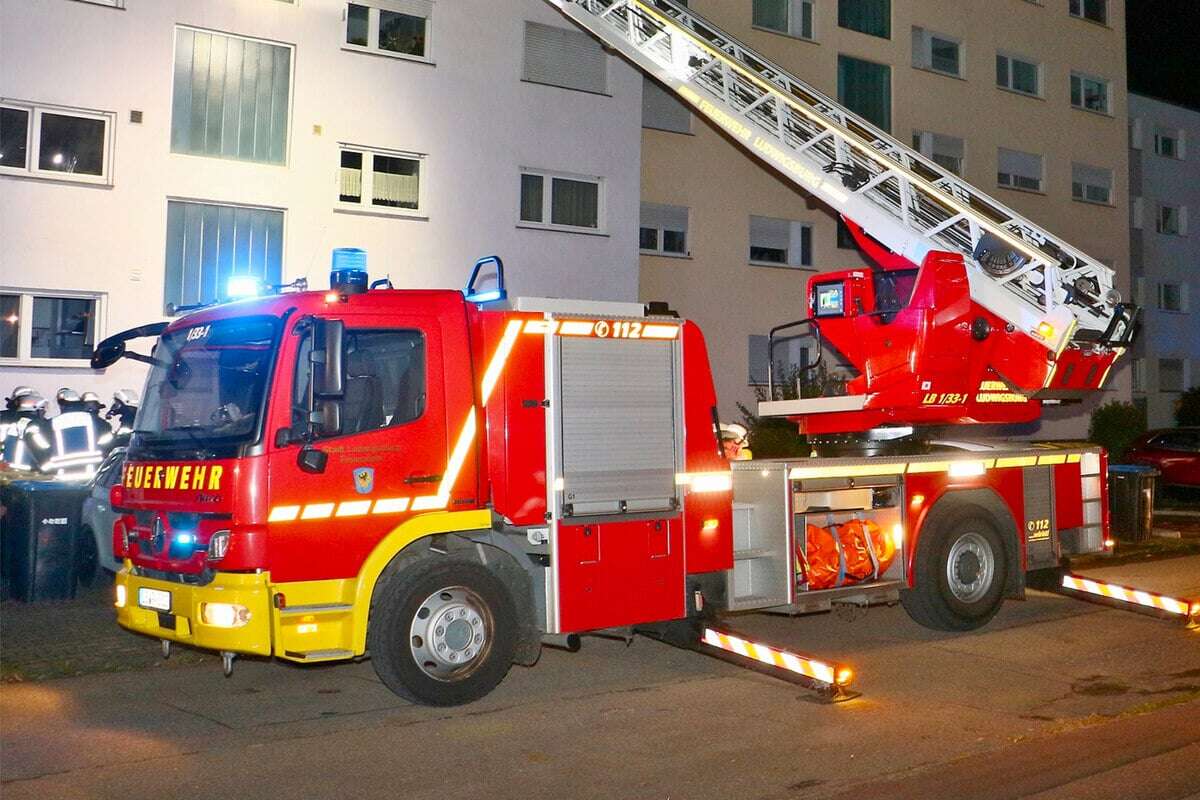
point(411, 479)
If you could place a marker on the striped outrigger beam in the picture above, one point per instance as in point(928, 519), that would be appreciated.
point(1187, 609)
point(831, 674)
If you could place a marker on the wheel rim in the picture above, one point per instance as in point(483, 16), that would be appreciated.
point(970, 567)
point(451, 634)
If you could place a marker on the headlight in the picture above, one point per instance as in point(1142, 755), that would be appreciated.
point(224, 615)
point(218, 545)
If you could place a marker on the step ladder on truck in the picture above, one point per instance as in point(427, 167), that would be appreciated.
point(447, 480)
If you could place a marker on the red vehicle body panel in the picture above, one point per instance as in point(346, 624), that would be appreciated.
point(1179, 467)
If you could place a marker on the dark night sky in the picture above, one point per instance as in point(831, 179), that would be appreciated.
point(1164, 49)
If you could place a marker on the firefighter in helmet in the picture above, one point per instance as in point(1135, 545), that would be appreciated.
point(68, 446)
point(735, 442)
point(28, 409)
point(124, 407)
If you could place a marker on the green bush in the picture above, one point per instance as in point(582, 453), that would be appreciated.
point(1188, 411)
point(1114, 426)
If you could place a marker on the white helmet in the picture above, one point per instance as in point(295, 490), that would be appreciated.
point(126, 397)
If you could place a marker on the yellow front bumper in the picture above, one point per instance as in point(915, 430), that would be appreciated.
point(184, 623)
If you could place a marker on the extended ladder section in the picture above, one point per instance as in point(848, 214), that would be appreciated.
point(1016, 269)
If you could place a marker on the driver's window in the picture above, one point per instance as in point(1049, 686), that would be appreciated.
point(385, 379)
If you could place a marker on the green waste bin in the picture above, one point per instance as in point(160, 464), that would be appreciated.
point(1131, 501)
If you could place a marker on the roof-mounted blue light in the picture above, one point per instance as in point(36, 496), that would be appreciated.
point(348, 274)
point(499, 292)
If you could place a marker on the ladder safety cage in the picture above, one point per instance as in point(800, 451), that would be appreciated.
point(911, 204)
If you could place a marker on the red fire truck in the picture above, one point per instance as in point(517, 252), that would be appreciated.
point(445, 480)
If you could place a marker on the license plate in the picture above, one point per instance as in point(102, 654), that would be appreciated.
point(156, 599)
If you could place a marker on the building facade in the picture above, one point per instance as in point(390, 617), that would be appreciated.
point(152, 150)
point(1026, 100)
point(1164, 184)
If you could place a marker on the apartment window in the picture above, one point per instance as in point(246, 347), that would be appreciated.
point(1095, 10)
point(562, 201)
point(1018, 74)
point(53, 142)
point(780, 243)
point(1172, 297)
point(1091, 184)
point(662, 110)
point(937, 52)
point(1170, 375)
point(872, 17)
point(1019, 170)
point(1172, 220)
point(208, 244)
point(946, 151)
point(790, 17)
point(379, 180)
point(1090, 94)
point(664, 230)
point(48, 328)
point(231, 97)
point(565, 58)
point(866, 89)
point(1168, 143)
point(845, 239)
point(397, 28)
point(790, 357)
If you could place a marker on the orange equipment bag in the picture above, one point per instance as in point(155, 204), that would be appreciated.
point(842, 555)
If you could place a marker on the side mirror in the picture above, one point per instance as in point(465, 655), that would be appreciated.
point(328, 417)
point(107, 353)
point(329, 374)
point(311, 460)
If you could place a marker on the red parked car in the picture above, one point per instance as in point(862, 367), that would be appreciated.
point(1175, 452)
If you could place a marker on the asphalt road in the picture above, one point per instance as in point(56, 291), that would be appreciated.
point(1054, 699)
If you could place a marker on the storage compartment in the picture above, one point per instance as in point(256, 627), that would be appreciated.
point(847, 537)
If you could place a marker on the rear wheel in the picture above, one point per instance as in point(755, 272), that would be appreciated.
point(960, 572)
point(442, 633)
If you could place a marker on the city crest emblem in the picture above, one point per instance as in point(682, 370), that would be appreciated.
point(364, 479)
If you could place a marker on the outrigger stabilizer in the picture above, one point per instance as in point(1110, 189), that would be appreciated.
point(1127, 597)
point(829, 680)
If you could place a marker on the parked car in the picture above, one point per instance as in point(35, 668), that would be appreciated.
point(95, 549)
point(1175, 452)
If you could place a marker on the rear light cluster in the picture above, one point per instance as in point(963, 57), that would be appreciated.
point(218, 545)
point(122, 536)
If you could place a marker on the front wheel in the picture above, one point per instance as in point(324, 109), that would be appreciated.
point(960, 573)
point(442, 633)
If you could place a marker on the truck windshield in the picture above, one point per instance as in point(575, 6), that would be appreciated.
point(205, 391)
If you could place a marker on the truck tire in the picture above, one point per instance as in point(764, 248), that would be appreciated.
point(442, 632)
point(959, 573)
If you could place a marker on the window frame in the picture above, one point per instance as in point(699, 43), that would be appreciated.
point(365, 204)
point(24, 357)
point(927, 37)
point(885, 36)
point(548, 177)
point(1081, 105)
point(373, 8)
point(1082, 197)
point(806, 228)
point(1173, 135)
point(1082, 4)
point(661, 229)
point(792, 6)
point(920, 138)
point(33, 143)
point(1180, 306)
point(1008, 87)
point(1183, 376)
point(1012, 186)
point(1180, 223)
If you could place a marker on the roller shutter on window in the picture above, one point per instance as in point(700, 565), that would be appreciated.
point(567, 58)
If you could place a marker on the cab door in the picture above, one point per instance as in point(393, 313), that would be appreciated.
point(391, 449)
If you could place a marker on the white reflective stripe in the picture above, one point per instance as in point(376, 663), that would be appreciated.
point(542, 326)
point(390, 505)
point(817, 670)
point(653, 331)
point(496, 367)
point(317, 511)
point(353, 508)
point(1128, 595)
point(461, 448)
point(429, 503)
point(575, 327)
point(702, 482)
point(283, 513)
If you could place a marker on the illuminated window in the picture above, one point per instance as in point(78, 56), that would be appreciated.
point(399, 28)
point(780, 243)
point(380, 180)
point(49, 328)
point(664, 230)
point(1091, 184)
point(946, 151)
point(790, 17)
point(566, 202)
point(51, 142)
point(1019, 170)
point(936, 52)
point(208, 244)
point(1018, 75)
point(231, 97)
point(566, 58)
point(1090, 94)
